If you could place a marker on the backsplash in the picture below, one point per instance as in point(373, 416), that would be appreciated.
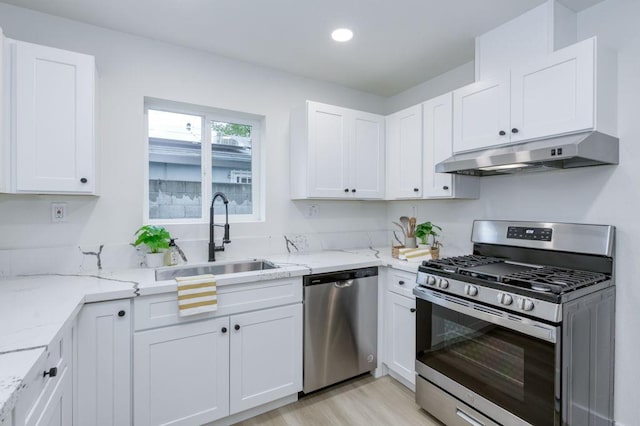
point(84, 259)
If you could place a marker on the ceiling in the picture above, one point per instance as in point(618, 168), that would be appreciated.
point(397, 43)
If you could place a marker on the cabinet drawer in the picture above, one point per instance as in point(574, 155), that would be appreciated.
point(38, 387)
point(401, 282)
point(162, 309)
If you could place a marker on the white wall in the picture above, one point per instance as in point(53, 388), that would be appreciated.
point(607, 195)
point(131, 68)
point(453, 79)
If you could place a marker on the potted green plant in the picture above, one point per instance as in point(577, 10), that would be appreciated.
point(156, 238)
point(426, 230)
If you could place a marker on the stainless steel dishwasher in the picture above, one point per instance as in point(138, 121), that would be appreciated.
point(340, 326)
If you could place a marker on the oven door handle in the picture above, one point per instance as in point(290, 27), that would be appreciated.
point(527, 326)
point(467, 418)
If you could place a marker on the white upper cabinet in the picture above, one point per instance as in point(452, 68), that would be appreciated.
point(52, 121)
point(556, 95)
point(481, 114)
point(404, 153)
point(367, 165)
point(328, 151)
point(336, 153)
point(571, 90)
point(438, 146)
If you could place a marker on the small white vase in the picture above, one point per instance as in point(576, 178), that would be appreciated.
point(154, 260)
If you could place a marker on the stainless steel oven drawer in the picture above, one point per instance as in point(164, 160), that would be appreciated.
point(446, 408)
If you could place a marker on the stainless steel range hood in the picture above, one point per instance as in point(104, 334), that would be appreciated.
point(563, 152)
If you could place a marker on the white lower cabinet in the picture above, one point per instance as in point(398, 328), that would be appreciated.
point(58, 410)
point(198, 372)
point(400, 327)
point(266, 356)
point(103, 364)
point(181, 374)
point(47, 394)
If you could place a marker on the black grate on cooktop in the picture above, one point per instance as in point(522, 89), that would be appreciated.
point(552, 279)
point(452, 264)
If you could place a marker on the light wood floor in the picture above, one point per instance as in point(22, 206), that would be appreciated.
point(362, 401)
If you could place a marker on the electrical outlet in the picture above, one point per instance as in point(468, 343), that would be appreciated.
point(312, 210)
point(58, 212)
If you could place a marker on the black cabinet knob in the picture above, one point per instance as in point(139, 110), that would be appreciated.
point(416, 189)
point(83, 180)
point(353, 190)
point(346, 190)
point(53, 372)
point(237, 327)
point(445, 187)
point(121, 313)
point(224, 330)
point(401, 282)
point(514, 130)
point(412, 309)
point(502, 133)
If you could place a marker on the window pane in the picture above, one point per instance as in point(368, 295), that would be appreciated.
point(231, 165)
point(175, 177)
point(174, 126)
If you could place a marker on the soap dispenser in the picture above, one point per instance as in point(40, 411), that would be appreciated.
point(172, 256)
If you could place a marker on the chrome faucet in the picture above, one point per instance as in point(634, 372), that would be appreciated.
point(213, 248)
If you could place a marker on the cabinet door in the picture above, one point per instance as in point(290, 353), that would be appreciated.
point(181, 374)
point(400, 327)
point(266, 356)
point(555, 97)
point(404, 151)
point(481, 114)
point(437, 145)
point(367, 156)
point(104, 364)
point(328, 151)
point(58, 410)
point(54, 110)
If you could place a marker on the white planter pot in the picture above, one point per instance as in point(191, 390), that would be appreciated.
point(154, 260)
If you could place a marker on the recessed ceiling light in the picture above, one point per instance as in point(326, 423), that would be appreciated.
point(342, 34)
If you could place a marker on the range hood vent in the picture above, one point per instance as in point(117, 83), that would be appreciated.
point(563, 152)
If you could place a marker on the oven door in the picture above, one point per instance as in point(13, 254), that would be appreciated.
point(505, 366)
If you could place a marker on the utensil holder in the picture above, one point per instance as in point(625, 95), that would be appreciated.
point(435, 253)
point(395, 251)
point(410, 242)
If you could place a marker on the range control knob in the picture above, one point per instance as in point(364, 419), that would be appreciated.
point(431, 280)
point(443, 283)
point(505, 299)
point(470, 290)
point(525, 304)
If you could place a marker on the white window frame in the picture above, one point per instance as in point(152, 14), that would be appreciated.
point(209, 114)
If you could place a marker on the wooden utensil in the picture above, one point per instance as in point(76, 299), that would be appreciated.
point(404, 220)
point(412, 226)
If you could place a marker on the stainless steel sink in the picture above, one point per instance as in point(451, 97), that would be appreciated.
point(164, 274)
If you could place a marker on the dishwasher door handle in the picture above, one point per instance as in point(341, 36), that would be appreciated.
point(343, 284)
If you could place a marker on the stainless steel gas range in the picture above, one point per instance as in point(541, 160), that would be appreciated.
point(521, 332)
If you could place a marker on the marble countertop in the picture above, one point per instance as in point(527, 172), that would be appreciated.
point(35, 309)
point(13, 369)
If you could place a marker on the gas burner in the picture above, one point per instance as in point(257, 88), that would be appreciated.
point(452, 264)
point(552, 279)
point(542, 288)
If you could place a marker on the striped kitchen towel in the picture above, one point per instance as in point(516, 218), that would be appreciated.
point(197, 294)
point(413, 255)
